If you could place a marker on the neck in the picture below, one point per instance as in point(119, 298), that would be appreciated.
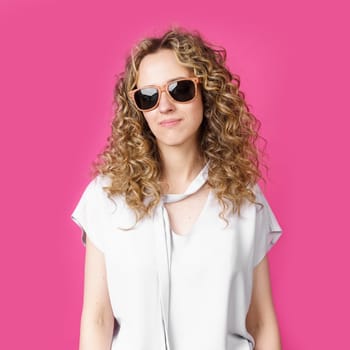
point(179, 167)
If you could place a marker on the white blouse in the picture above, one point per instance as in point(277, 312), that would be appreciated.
point(178, 292)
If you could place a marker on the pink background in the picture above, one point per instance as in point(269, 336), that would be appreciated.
point(57, 69)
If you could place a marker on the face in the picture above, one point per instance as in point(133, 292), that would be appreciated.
point(172, 123)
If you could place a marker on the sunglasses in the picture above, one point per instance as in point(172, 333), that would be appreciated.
point(182, 90)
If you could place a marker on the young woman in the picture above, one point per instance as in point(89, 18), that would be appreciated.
point(176, 227)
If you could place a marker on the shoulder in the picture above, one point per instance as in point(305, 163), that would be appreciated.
point(96, 192)
point(260, 199)
point(256, 189)
point(265, 214)
point(97, 207)
point(100, 183)
point(259, 209)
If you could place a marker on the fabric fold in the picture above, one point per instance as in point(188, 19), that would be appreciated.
point(164, 246)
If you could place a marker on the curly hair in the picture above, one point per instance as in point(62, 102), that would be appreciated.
point(228, 135)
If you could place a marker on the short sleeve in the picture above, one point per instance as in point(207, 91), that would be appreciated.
point(267, 228)
point(89, 214)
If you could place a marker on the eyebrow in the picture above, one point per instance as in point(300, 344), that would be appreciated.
point(170, 80)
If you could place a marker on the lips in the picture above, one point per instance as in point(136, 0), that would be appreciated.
point(170, 122)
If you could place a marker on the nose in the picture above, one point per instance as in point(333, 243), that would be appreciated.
point(165, 104)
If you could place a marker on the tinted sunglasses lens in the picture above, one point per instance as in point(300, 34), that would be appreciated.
point(146, 98)
point(182, 90)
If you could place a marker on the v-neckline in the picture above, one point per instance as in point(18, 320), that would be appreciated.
point(192, 229)
point(193, 187)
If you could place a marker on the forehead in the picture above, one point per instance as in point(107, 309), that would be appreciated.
point(160, 67)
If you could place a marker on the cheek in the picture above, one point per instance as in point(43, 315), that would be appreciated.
point(146, 117)
point(149, 119)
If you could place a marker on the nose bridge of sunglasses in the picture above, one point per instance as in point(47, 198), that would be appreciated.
point(164, 98)
point(164, 91)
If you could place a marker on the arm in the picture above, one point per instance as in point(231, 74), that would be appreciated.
point(261, 318)
point(97, 321)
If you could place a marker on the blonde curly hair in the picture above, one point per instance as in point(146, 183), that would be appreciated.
point(228, 135)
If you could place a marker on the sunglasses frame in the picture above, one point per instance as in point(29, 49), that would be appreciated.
point(162, 88)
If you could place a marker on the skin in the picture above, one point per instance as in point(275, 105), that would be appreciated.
point(261, 319)
point(184, 118)
point(96, 326)
point(176, 128)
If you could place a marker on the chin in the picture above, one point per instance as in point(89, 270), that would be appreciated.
point(172, 142)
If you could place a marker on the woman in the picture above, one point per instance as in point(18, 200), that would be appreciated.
point(176, 227)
